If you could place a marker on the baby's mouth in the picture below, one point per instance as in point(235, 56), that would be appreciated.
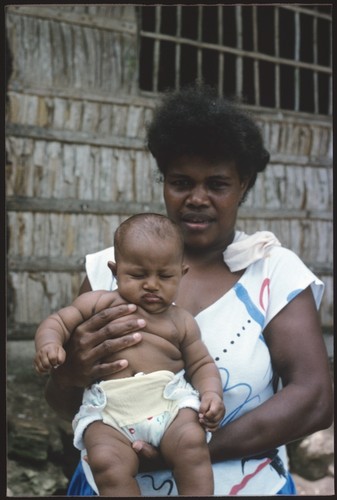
point(151, 298)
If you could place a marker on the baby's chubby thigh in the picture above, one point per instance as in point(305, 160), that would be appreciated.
point(109, 453)
point(184, 439)
point(184, 447)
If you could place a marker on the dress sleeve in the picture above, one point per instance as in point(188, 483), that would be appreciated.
point(287, 277)
point(99, 275)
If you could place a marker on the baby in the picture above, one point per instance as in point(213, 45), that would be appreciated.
point(151, 399)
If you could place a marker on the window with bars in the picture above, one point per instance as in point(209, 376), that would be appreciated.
point(271, 56)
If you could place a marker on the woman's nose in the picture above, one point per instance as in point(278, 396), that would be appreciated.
point(198, 196)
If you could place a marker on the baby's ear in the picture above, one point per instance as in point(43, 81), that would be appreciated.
point(185, 268)
point(113, 267)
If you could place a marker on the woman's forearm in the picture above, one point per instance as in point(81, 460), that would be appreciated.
point(291, 414)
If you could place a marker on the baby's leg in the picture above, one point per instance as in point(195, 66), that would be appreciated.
point(186, 451)
point(112, 460)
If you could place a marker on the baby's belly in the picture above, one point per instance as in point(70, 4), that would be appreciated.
point(151, 354)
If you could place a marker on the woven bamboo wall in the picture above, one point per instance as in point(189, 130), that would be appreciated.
point(77, 166)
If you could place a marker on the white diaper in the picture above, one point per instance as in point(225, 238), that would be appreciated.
point(140, 407)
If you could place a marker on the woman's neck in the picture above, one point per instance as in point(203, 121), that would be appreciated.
point(203, 259)
point(208, 278)
point(197, 257)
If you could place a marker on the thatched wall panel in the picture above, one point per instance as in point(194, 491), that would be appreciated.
point(77, 164)
point(92, 117)
point(71, 55)
point(327, 311)
point(54, 170)
point(51, 169)
point(294, 187)
point(35, 295)
point(312, 240)
point(48, 234)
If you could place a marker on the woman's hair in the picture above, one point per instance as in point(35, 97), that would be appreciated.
point(149, 226)
point(195, 121)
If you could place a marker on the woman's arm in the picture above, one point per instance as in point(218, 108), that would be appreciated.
point(304, 404)
point(106, 332)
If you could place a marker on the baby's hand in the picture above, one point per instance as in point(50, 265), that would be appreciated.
point(212, 411)
point(49, 356)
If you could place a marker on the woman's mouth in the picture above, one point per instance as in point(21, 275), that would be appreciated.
point(196, 222)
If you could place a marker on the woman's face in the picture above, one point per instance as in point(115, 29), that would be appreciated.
point(203, 198)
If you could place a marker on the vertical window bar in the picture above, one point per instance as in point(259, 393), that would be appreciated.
point(178, 49)
point(256, 62)
point(221, 64)
point(199, 53)
point(156, 51)
point(316, 105)
point(277, 55)
point(238, 17)
point(330, 111)
point(315, 68)
point(297, 58)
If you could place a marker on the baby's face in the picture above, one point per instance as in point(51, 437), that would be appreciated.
point(149, 275)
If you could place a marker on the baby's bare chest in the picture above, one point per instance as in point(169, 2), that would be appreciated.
point(164, 328)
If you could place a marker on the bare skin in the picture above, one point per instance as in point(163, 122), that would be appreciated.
point(149, 273)
point(155, 352)
point(294, 337)
point(183, 446)
point(172, 342)
point(178, 345)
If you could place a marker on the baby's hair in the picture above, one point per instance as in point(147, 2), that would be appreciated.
point(195, 121)
point(151, 226)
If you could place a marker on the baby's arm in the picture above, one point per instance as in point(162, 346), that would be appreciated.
point(55, 330)
point(204, 375)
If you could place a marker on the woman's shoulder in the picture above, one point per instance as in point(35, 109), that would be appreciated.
point(283, 252)
point(106, 253)
point(284, 255)
point(280, 261)
point(98, 272)
point(286, 268)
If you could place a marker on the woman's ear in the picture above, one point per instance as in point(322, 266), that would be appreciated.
point(244, 185)
point(113, 267)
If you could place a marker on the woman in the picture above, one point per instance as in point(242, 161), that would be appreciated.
point(255, 302)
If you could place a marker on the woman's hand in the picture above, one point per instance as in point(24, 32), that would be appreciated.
point(105, 333)
point(149, 456)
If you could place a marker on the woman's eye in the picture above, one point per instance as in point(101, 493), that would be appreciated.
point(217, 185)
point(180, 184)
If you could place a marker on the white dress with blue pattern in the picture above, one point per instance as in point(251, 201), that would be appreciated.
point(232, 330)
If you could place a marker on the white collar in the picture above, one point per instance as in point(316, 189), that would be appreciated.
point(247, 249)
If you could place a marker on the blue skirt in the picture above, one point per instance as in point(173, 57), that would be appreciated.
point(79, 486)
